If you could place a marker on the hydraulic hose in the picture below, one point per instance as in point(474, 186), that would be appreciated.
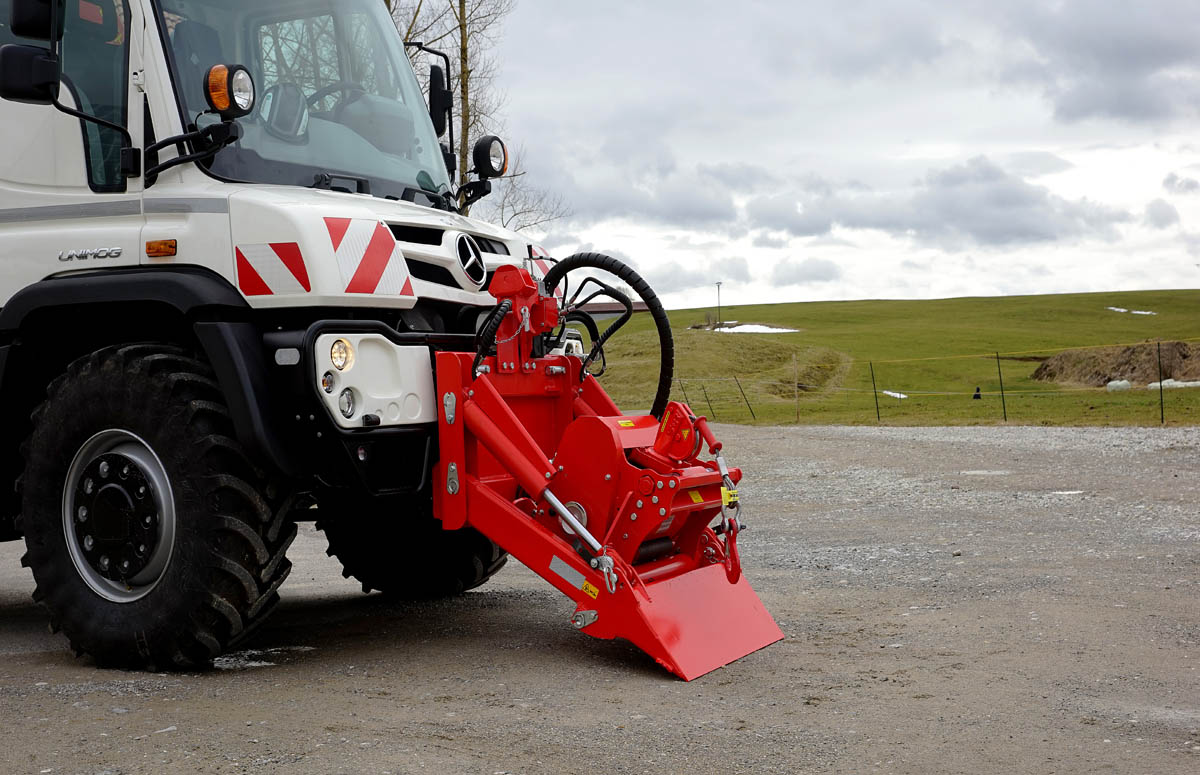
point(666, 344)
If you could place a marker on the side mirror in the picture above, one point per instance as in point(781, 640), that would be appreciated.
point(28, 74)
point(490, 157)
point(440, 99)
point(31, 19)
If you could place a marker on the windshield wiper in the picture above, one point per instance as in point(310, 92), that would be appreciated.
point(324, 180)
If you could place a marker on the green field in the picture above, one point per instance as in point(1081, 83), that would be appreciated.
point(935, 351)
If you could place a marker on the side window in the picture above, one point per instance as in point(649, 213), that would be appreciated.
point(95, 64)
point(302, 52)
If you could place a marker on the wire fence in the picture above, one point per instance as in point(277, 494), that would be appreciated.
point(1142, 382)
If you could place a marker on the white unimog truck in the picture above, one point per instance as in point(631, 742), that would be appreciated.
point(196, 196)
point(238, 291)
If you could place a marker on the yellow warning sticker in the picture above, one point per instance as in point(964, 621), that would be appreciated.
point(625, 423)
point(590, 590)
point(685, 432)
point(696, 497)
point(728, 496)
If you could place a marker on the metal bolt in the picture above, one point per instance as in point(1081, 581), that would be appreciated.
point(88, 543)
point(595, 563)
point(104, 562)
point(639, 504)
point(125, 472)
point(560, 468)
point(471, 393)
point(141, 549)
point(633, 517)
point(672, 484)
point(660, 484)
point(607, 477)
point(148, 520)
point(104, 469)
point(318, 434)
point(124, 564)
point(88, 486)
point(547, 474)
point(82, 513)
point(312, 418)
point(654, 499)
point(662, 512)
point(141, 491)
point(624, 535)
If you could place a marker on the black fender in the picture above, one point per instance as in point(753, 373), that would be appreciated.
point(46, 325)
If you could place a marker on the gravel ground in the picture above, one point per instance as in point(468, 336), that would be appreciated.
point(967, 600)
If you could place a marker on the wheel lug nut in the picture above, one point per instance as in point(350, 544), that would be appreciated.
point(124, 564)
point(125, 472)
point(141, 550)
point(88, 486)
point(141, 491)
point(88, 543)
point(148, 520)
point(82, 513)
point(104, 562)
point(104, 469)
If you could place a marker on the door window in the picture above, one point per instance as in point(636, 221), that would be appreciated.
point(95, 66)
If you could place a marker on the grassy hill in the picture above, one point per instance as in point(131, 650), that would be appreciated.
point(936, 352)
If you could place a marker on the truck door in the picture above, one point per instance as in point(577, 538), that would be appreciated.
point(65, 204)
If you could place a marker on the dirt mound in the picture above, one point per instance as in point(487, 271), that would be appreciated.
point(1138, 364)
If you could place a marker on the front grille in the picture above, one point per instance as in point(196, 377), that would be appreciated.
point(431, 273)
point(491, 246)
point(419, 235)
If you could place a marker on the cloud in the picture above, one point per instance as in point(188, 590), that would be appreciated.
point(1033, 164)
point(976, 202)
point(810, 270)
point(1177, 185)
point(732, 269)
point(767, 240)
point(1135, 62)
point(1161, 214)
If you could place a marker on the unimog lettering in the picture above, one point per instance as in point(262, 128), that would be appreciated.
point(86, 253)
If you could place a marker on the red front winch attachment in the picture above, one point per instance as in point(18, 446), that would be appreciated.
point(615, 511)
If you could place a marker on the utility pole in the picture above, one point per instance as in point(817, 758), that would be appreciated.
point(718, 302)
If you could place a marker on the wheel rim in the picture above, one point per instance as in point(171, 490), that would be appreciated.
point(118, 514)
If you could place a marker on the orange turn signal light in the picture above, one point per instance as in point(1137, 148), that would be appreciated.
point(216, 88)
point(162, 248)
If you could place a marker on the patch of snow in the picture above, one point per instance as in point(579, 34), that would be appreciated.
point(985, 473)
point(1067, 492)
point(1172, 384)
point(1141, 312)
point(893, 394)
point(754, 328)
point(1118, 385)
point(1117, 309)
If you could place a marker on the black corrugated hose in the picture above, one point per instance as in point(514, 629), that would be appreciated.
point(631, 278)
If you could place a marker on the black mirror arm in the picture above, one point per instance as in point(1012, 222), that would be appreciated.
point(217, 136)
point(131, 158)
point(475, 190)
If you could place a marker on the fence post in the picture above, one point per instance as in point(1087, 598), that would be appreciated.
point(1162, 410)
point(796, 384)
point(711, 411)
point(747, 400)
point(875, 390)
point(1003, 403)
point(684, 391)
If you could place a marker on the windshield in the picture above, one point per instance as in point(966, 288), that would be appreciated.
point(338, 104)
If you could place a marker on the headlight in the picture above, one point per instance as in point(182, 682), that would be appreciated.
point(241, 88)
point(346, 403)
point(342, 354)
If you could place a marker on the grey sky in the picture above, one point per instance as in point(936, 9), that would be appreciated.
point(852, 149)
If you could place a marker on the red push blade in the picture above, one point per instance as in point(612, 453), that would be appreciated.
point(696, 622)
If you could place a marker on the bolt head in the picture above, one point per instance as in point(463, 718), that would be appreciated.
point(608, 477)
point(672, 484)
point(104, 469)
point(88, 543)
point(633, 517)
point(654, 499)
point(660, 484)
point(639, 504)
point(662, 512)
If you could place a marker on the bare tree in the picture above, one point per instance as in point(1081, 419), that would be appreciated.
point(518, 205)
point(468, 31)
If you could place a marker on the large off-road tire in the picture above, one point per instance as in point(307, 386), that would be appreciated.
point(153, 540)
point(401, 550)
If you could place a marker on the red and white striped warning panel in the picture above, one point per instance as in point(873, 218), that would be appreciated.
point(368, 257)
point(271, 269)
point(542, 264)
